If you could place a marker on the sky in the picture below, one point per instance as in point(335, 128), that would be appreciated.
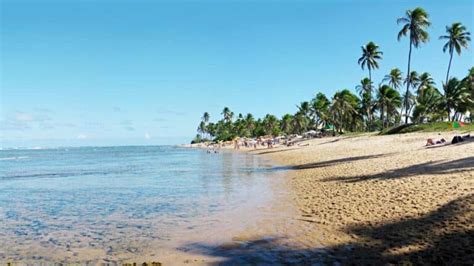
point(83, 72)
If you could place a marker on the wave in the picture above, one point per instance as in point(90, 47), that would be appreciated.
point(14, 158)
point(43, 175)
point(105, 172)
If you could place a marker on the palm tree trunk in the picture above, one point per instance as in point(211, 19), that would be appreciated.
point(382, 116)
point(408, 83)
point(369, 113)
point(449, 66)
point(388, 118)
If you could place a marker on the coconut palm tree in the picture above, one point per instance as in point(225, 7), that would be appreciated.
point(202, 129)
point(228, 115)
point(286, 124)
point(249, 123)
point(365, 92)
point(414, 23)
point(211, 130)
point(468, 82)
point(456, 95)
point(205, 117)
point(343, 108)
point(388, 100)
point(428, 105)
point(300, 123)
point(412, 81)
point(394, 78)
point(319, 108)
point(424, 81)
point(271, 125)
point(364, 87)
point(369, 58)
point(458, 37)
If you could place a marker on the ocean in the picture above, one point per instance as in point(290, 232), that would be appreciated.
point(117, 203)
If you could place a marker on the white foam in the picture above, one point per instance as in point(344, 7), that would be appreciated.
point(13, 158)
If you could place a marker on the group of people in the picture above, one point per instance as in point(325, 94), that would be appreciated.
point(255, 143)
point(213, 148)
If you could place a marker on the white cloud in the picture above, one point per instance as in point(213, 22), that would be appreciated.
point(24, 117)
point(81, 136)
point(147, 135)
point(13, 124)
point(21, 121)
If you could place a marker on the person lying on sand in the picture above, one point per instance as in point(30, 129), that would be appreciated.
point(431, 142)
point(457, 138)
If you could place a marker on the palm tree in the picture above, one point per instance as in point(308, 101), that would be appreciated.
point(211, 130)
point(365, 92)
point(455, 96)
point(286, 124)
point(468, 82)
point(370, 55)
point(300, 123)
point(249, 123)
point(228, 115)
point(428, 105)
point(305, 109)
point(364, 86)
point(319, 108)
point(205, 117)
point(458, 37)
point(412, 81)
point(424, 81)
point(388, 99)
point(271, 125)
point(415, 23)
point(202, 129)
point(394, 78)
point(343, 109)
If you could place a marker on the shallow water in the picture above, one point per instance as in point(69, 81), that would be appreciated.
point(116, 203)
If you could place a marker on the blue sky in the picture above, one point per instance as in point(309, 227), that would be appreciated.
point(143, 72)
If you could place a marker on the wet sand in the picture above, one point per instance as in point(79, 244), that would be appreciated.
point(237, 191)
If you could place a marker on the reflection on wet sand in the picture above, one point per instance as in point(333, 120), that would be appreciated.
point(162, 199)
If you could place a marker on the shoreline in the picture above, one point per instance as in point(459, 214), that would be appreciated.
point(365, 198)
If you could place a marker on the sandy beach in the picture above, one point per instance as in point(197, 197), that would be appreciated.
point(362, 199)
point(383, 198)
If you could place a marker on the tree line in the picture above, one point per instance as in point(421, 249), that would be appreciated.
point(373, 108)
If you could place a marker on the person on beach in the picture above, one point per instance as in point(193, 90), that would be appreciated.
point(431, 142)
point(270, 143)
point(236, 144)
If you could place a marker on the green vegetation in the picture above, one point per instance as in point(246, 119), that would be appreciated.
point(373, 109)
point(428, 127)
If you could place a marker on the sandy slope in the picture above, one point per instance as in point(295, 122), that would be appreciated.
point(385, 198)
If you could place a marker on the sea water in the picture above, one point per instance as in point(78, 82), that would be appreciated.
point(91, 203)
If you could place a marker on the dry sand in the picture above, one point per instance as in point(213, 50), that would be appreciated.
point(382, 199)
